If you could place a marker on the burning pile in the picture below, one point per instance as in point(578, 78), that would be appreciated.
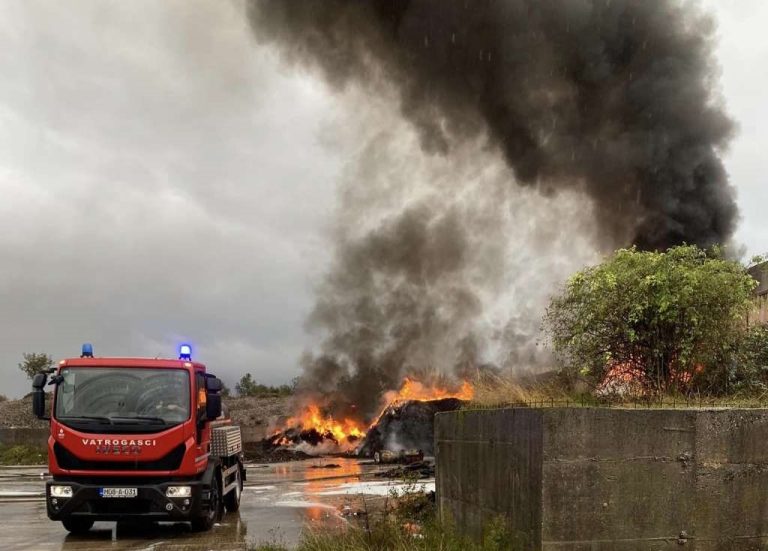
point(315, 429)
point(406, 420)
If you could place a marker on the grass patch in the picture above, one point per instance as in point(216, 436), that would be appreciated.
point(388, 534)
point(494, 391)
point(411, 525)
point(23, 455)
point(499, 392)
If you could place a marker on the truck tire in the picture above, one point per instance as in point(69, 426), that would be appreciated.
point(77, 525)
point(213, 514)
point(232, 499)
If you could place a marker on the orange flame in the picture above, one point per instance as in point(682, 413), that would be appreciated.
point(629, 379)
point(414, 390)
point(311, 418)
point(348, 430)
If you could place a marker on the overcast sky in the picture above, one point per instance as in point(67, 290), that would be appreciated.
point(163, 179)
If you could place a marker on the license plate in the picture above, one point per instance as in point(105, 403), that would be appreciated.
point(118, 492)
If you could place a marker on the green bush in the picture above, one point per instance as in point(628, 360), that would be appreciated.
point(749, 371)
point(673, 319)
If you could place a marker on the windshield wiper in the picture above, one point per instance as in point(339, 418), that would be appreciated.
point(86, 418)
point(140, 418)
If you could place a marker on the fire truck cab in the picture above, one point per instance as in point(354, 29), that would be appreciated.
point(137, 439)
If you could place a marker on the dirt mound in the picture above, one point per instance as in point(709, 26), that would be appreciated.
point(257, 411)
point(406, 425)
point(18, 414)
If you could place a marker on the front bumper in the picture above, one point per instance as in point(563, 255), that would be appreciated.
point(150, 502)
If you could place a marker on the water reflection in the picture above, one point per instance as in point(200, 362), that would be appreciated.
point(279, 501)
point(230, 535)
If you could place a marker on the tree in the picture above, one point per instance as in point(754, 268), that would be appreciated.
point(247, 386)
point(34, 363)
point(672, 320)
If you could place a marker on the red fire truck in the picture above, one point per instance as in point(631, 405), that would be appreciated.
point(138, 439)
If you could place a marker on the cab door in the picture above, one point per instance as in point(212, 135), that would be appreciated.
point(202, 429)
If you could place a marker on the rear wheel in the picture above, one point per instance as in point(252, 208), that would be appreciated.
point(77, 525)
point(206, 522)
point(232, 499)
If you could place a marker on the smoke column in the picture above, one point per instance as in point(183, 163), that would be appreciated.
point(610, 100)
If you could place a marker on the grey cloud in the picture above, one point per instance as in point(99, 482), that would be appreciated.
point(163, 178)
point(154, 189)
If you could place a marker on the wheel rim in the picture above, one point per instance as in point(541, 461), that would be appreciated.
point(214, 512)
point(239, 486)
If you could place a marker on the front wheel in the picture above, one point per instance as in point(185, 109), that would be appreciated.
point(77, 525)
point(232, 499)
point(206, 522)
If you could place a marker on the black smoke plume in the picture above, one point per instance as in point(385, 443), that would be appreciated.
point(612, 98)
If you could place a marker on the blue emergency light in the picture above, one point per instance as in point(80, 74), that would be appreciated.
point(185, 352)
point(87, 351)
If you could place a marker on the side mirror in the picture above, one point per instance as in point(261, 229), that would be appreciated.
point(213, 386)
point(213, 407)
point(38, 396)
point(39, 381)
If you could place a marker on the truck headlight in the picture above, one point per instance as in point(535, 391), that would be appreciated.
point(178, 491)
point(61, 491)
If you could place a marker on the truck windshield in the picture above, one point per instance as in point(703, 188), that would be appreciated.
point(129, 399)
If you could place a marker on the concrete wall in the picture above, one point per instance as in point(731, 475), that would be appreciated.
point(490, 465)
point(605, 479)
point(30, 437)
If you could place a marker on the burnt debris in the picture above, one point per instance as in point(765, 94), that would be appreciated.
point(408, 425)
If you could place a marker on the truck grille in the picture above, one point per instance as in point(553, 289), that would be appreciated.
point(169, 462)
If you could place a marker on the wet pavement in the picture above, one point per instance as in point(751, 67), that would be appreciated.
point(277, 502)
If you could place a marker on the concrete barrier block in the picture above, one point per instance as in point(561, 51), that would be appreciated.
point(608, 479)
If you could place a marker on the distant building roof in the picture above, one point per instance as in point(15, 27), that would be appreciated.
point(760, 273)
